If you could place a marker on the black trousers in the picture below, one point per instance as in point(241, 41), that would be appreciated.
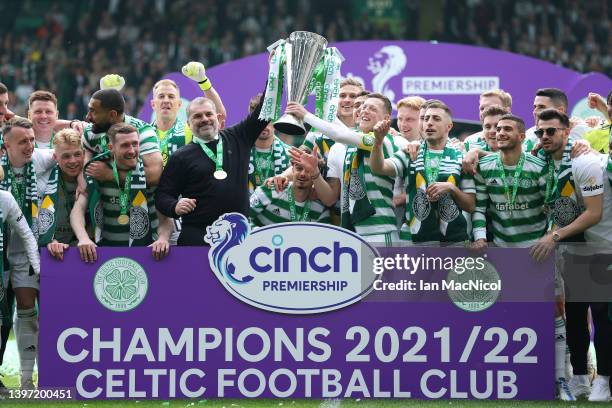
point(587, 285)
point(191, 236)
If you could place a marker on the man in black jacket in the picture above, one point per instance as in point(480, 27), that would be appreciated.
point(210, 174)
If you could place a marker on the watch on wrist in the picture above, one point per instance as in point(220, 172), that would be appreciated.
point(556, 236)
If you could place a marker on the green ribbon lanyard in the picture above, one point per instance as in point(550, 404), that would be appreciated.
point(431, 172)
point(163, 143)
point(551, 182)
point(18, 189)
point(293, 209)
point(517, 174)
point(218, 159)
point(124, 193)
point(259, 173)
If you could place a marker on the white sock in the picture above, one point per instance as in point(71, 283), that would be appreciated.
point(560, 347)
point(26, 333)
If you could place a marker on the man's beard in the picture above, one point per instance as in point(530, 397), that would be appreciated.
point(96, 128)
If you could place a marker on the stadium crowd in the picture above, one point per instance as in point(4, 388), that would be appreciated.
point(68, 47)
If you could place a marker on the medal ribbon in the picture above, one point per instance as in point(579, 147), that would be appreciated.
point(431, 172)
point(551, 182)
point(517, 174)
point(124, 194)
point(218, 159)
point(18, 189)
point(292, 206)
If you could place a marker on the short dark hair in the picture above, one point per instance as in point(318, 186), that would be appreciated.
point(493, 110)
point(119, 128)
point(429, 102)
point(110, 99)
point(363, 93)
point(550, 114)
point(3, 88)
point(254, 102)
point(42, 96)
point(15, 121)
point(519, 121)
point(557, 96)
point(384, 99)
point(436, 104)
point(608, 99)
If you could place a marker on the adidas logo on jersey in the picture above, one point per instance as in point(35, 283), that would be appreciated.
point(494, 182)
point(276, 211)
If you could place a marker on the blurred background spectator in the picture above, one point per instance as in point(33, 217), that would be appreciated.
point(66, 46)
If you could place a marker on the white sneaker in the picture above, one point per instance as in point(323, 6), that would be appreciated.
point(580, 386)
point(601, 389)
point(563, 391)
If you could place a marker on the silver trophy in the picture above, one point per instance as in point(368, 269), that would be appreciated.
point(303, 52)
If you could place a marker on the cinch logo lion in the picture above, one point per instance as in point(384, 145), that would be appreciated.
point(229, 231)
point(387, 63)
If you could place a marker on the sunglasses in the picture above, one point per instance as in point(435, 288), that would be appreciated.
point(549, 131)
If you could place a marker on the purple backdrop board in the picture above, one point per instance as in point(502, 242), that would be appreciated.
point(185, 335)
point(454, 73)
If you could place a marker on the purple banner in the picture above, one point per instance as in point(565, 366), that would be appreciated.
point(130, 327)
point(454, 73)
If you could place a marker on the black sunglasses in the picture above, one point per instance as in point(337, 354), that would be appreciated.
point(549, 131)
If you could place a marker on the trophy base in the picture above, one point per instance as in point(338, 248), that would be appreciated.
point(290, 125)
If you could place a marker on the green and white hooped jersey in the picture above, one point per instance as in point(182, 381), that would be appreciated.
point(271, 207)
point(324, 143)
point(113, 233)
point(97, 143)
point(522, 223)
point(378, 189)
point(441, 221)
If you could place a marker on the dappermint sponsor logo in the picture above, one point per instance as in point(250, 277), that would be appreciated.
point(120, 284)
point(294, 268)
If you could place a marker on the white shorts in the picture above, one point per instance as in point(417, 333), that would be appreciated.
point(19, 272)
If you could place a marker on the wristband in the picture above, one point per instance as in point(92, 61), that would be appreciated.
point(205, 85)
point(71, 122)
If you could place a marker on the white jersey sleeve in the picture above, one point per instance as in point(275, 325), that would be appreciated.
point(588, 175)
point(335, 161)
point(339, 133)
point(17, 222)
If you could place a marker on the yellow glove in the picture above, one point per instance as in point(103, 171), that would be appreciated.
point(195, 71)
point(112, 81)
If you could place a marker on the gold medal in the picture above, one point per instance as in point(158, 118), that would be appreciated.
point(123, 219)
point(220, 175)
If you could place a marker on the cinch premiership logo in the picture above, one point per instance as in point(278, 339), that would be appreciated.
point(294, 268)
point(474, 290)
point(120, 284)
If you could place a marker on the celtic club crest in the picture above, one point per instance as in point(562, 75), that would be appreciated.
point(120, 284)
point(447, 208)
point(46, 218)
point(356, 191)
point(139, 222)
point(565, 211)
point(421, 206)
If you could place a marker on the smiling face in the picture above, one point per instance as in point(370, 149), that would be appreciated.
point(43, 115)
point(19, 144)
point(302, 178)
point(408, 123)
point(125, 150)
point(166, 102)
point(203, 120)
point(508, 135)
point(489, 131)
point(357, 104)
point(347, 96)
point(372, 112)
point(70, 158)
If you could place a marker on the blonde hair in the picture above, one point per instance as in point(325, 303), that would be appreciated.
point(411, 102)
point(504, 97)
point(351, 81)
point(166, 82)
point(68, 137)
